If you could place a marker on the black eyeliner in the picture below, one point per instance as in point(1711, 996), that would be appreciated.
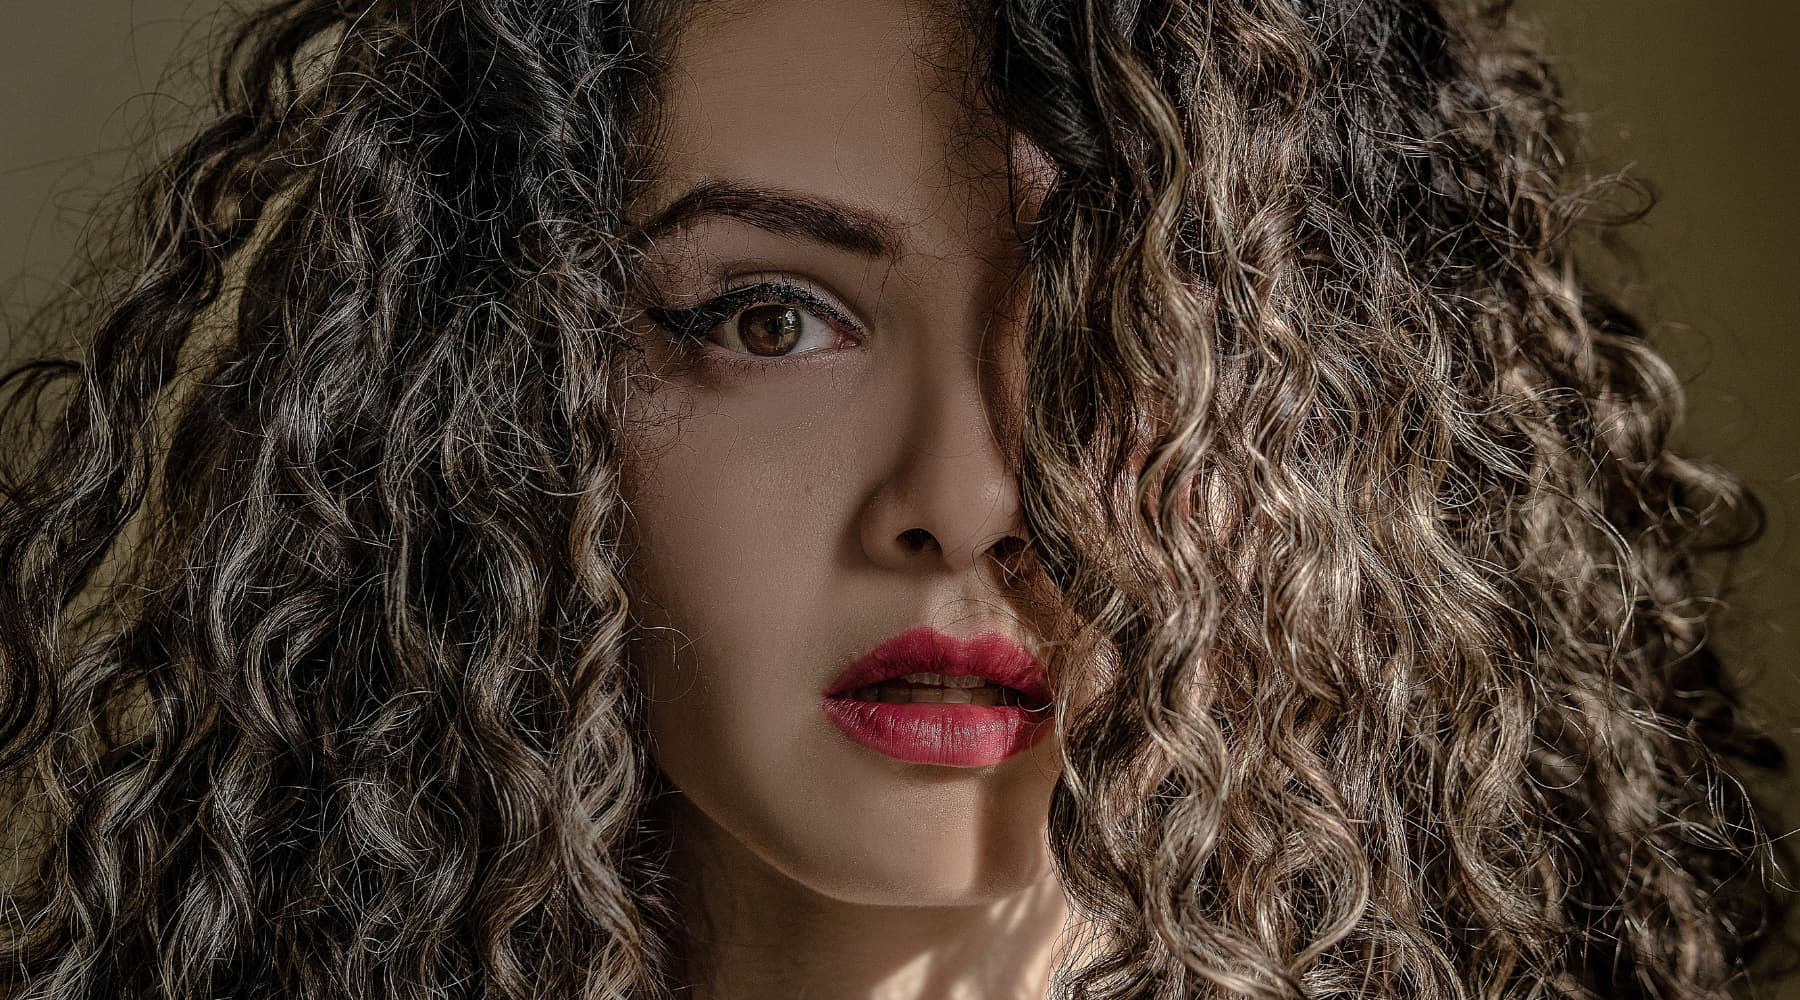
point(697, 321)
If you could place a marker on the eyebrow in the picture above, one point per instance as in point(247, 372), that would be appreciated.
point(787, 213)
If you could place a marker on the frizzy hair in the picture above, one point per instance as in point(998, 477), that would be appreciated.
point(1365, 495)
point(1413, 697)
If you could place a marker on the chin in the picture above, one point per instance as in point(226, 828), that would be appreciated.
point(956, 875)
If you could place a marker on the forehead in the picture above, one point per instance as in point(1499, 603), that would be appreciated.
point(864, 102)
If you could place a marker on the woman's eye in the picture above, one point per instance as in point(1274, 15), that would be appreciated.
point(768, 320)
point(776, 328)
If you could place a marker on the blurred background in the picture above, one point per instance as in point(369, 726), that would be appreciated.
point(1697, 100)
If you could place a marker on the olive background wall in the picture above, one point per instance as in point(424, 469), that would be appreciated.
point(1698, 98)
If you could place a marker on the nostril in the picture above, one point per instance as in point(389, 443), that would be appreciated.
point(915, 538)
point(1009, 547)
point(1010, 553)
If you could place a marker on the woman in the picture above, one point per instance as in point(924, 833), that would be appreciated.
point(832, 499)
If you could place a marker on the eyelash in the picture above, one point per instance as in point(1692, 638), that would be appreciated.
point(691, 325)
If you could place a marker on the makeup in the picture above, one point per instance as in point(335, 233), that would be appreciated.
point(692, 326)
point(925, 697)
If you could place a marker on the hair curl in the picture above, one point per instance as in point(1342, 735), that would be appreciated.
point(312, 642)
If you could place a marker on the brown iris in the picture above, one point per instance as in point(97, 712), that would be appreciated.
point(770, 329)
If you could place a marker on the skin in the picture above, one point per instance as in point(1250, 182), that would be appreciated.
point(787, 519)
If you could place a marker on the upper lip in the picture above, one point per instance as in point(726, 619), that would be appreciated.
point(990, 656)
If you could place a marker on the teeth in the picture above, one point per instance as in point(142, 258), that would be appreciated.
point(896, 693)
point(945, 680)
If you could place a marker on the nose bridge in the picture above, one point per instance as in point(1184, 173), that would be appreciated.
point(953, 492)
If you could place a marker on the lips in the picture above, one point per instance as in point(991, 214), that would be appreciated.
point(990, 657)
point(953, 734)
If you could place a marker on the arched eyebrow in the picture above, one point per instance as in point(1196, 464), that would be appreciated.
point(821, 220)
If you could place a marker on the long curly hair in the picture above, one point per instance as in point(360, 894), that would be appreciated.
point(312, 629)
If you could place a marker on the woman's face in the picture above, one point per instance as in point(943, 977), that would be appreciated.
point(850, 483)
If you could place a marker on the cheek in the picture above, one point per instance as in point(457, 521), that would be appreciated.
point(714, 642)
point(716, 526)
point(729, 557)
point(742, 498)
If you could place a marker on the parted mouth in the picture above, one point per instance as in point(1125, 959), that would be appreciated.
point(924, 665)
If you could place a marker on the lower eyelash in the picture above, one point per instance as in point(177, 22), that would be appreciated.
point(727, 361)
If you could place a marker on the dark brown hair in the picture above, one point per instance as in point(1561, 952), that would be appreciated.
point(1363, 491)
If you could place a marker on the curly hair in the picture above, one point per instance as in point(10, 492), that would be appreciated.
point(312, 628)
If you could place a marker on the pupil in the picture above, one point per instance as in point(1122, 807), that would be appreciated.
point(770, 329)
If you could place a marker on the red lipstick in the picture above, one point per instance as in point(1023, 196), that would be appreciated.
point(975, 727)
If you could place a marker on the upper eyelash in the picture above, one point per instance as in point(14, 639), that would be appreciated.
point(697, 321)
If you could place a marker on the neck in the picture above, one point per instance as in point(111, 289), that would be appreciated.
point(756, 934)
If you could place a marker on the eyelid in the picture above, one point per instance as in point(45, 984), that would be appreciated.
point(740, 296)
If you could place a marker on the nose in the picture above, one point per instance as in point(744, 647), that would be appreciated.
point(950, 503)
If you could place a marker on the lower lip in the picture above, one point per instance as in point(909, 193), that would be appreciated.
point(953, 735)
